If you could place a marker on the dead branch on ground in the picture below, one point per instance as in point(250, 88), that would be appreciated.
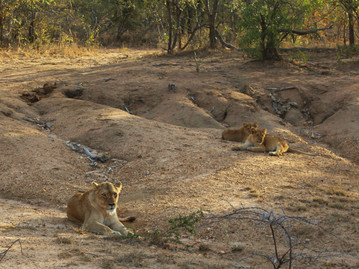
point(282, 89)
point(82, 149)
point(308, 49)
point(311, 31)
point(292, 32)
point(197, 63)
point(3, 254)
point(286, 247)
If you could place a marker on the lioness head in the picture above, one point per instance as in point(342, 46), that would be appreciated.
point(240, 134)
point(107, 195)
point(258, 135)
point(249, 126)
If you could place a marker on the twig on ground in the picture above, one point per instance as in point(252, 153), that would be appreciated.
point(82, 149)
point(279, 227)
point(282, 89)
point(3, 254)
point(38, 123)
point(197, 63)
point(127, 110)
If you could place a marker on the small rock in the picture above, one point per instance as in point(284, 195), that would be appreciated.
point(171, 87)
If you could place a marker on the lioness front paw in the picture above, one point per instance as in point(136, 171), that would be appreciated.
point(121, 230)
point(117, 234)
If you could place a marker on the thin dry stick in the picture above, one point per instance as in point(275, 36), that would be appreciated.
point(275, 244)
point(3, 254)
point(268, 218)
point(282, 89)
point(197, 64)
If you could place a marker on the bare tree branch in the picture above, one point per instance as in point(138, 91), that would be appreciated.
point(3, 254)
point(281, 224)
point(227, 45)
point(312, 31)
point(192, 35)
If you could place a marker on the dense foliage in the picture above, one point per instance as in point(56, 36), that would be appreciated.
point(265, 23)
point(259, 26)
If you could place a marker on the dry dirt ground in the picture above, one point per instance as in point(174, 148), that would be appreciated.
point(159, 123)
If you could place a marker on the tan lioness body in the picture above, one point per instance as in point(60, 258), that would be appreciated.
point(258, 141)
point(239, 135)
point(96, 209)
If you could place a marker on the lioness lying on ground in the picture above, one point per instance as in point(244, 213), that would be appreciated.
point(96, 209)
point(239, 135)
point(258, 141)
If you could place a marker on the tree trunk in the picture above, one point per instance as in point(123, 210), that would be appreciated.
point(344, 35)
point(31, 29)
point(212, 35)
point(2, 18)
point(351, 28)
point(178, 27)
point(1, 30)
point(263, 38)
point(169, 18)
point(212, 14)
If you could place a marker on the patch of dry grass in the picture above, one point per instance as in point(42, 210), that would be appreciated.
point(337, 192)
point(238, 248)
point(135, 258)
point(51, 50)
point(252, 192)
point(73, 252)
point(320, 201)
point(63, 240)
point(297, 208)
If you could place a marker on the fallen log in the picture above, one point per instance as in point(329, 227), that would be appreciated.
point(282, 89)
point(82, 149)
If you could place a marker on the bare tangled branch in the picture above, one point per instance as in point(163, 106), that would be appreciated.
point(3, 254)
point(224, 43)
point(311, 31)
point(279, 226)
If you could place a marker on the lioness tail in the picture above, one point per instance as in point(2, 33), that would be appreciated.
point(301, 152)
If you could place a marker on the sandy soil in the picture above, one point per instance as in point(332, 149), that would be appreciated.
point(159, 123)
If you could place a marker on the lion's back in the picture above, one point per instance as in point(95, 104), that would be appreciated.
point(271, 143)
point(76, 208)
point(238, 135)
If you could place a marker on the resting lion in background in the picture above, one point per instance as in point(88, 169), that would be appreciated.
point(96, 209)
point(239, 135)
point(258, 141)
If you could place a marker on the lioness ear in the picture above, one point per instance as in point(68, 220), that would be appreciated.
point(94, 184)
point(119, 186)
point(255, 124)
point(253, 130)
point(264, 131)
point(245, 124)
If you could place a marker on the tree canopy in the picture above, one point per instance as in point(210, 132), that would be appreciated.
point(258, 26)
